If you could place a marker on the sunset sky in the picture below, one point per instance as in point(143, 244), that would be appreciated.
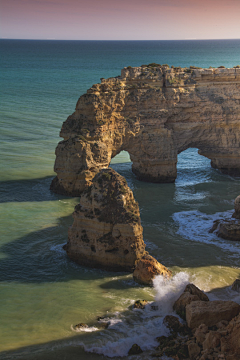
point(120, 19)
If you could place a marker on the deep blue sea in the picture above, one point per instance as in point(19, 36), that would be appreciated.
point(42, 293)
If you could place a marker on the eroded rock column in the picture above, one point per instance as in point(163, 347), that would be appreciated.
point(106, 231)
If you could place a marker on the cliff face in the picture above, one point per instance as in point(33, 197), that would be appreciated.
point(154, 113)
point(106, 231)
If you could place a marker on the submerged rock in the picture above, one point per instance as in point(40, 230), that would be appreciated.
point(135, 350)
point(147, 268)
point(80, 326)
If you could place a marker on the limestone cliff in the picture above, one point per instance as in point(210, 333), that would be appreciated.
point(154, 112)
point(106, 231)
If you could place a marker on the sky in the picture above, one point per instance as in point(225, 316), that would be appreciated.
point(120, 19)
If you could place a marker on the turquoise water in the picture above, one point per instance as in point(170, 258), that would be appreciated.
point(42, 293)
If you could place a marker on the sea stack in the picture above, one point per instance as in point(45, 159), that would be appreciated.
point(107, 232)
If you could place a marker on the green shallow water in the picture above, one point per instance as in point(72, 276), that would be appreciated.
point(42, 293)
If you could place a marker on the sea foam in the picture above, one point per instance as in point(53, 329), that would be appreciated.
point(139, 326)
point(195, 226)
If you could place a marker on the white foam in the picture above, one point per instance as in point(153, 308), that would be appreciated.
point(85, 329)
point(139, 326)
point(168, 290)
point(194, 226)
point(58, 248)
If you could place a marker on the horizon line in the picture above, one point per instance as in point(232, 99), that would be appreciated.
point(52, 39)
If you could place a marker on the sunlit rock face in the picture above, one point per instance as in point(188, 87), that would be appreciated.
point(106, 232)
point(154, 112)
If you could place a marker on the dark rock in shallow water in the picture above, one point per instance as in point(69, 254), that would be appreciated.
point(236, 285)
point(140, 304)
point(214, 227)
point(173, 324)
point(135, 350)
point(80, 326)
point(229, 230)
point(237, 208)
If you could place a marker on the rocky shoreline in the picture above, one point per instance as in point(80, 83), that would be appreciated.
point(210, 330)
point(198, 329)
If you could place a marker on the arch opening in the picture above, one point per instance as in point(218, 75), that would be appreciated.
point(122, 157)
point(192, 167)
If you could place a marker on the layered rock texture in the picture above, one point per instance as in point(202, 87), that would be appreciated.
point(154, 113)
point(107, 231)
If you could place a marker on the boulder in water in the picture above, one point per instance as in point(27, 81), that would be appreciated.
point(236, 213)
point(140, 304)
point(147, 268)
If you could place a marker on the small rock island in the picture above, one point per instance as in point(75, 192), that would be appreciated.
point(107, 232)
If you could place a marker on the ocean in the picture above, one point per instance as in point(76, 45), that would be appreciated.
point(43, 294)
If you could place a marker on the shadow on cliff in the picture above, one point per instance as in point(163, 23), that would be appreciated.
point(30, 190)
point(39, 257)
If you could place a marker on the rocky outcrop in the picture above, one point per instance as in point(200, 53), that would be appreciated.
point(212, 331)
point(229, 228)
point(107, 232)
point(154, 112)
point(210, 312)
point(236, 213)
point(147, 268)
point(190, 294)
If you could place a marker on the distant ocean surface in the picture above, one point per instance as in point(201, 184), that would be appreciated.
point(42, 293)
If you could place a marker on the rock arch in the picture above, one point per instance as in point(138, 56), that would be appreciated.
point(154, 113)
